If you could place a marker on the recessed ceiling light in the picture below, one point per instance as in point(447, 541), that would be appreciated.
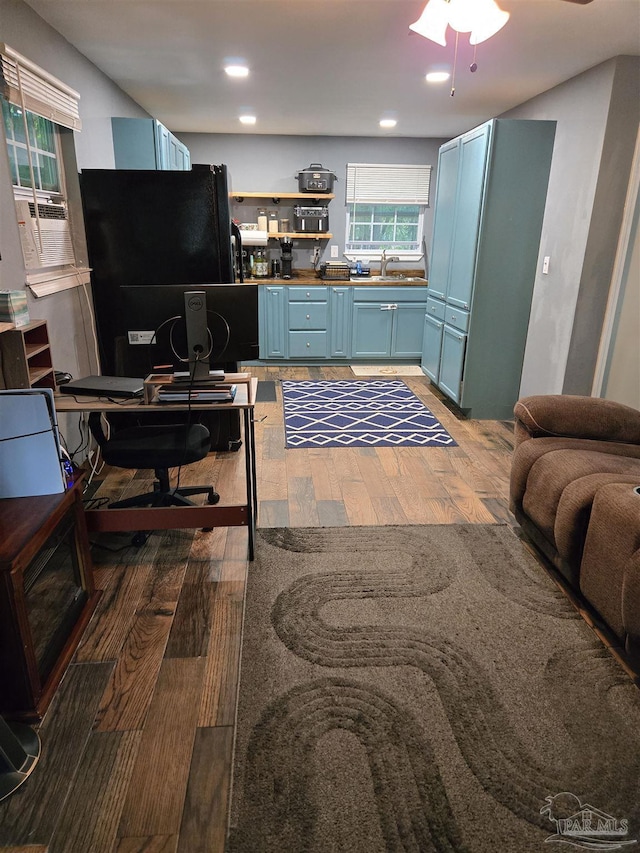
point(237, 70)
point(248, 119)
point(388, 122)
point(437, 76)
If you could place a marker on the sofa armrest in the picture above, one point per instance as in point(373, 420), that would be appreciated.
point(575, 417)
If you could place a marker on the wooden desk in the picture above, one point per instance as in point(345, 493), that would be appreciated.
point(170, 518)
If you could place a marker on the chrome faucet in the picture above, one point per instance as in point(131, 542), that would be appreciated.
point(384, 260)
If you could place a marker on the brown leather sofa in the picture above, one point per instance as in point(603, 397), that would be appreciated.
point(574, 479)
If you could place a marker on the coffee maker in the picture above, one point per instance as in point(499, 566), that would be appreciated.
point(286, 244)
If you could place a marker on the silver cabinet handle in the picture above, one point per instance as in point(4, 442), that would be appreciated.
point(453, 317)
point(308, 295)
point(308, 316)
point(308, 344)
point(390, 307)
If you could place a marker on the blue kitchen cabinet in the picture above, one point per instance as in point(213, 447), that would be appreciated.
point(452, 363)
point(490, 199)
point(272, 307)
point(432, 346)
point(308, 317)
point(407, 330)
point(145, 143)
point(340, 322)
point(388, 322)
point(371, 330)
point(305, 323)
point(446, 188)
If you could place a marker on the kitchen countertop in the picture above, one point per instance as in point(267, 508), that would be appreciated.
point(306, 278)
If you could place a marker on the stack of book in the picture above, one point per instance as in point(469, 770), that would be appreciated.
point(220, 392)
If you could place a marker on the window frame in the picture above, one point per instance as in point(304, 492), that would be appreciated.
point(28, 192)
point(353, 253)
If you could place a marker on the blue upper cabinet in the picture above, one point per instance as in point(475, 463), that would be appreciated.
point(145, 143)
point(446, 189)
point(490, 198)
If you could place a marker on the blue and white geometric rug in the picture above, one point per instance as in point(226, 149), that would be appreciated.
point(358, 413)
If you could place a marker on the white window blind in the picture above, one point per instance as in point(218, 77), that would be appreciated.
point(384, 183)
point(26, 85)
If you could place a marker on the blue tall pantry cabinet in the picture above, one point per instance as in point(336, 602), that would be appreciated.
point(490, 197)
point(145, 143)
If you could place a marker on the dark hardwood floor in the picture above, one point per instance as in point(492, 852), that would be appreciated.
point(138, 742)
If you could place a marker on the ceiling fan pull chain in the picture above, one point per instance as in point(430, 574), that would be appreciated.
point(474, 65)
point(455, 60)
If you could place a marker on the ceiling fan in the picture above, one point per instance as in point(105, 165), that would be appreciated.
point(480, 18)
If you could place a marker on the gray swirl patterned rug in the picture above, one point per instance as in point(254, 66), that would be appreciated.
point(425, 689)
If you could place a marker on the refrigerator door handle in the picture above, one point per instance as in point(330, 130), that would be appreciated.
point(236, 250)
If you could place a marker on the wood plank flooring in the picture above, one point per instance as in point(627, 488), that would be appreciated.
point(138, 742)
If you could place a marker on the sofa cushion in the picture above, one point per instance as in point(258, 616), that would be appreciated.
point(610, 573)
point(579, 417)
point(528, 453)
point(574, 511)
point(552, 472)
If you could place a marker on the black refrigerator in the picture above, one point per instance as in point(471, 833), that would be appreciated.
point(148, 227)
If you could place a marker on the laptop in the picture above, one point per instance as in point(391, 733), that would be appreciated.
point(104, 386)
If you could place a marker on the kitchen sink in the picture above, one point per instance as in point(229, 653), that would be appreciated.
point(388, 279)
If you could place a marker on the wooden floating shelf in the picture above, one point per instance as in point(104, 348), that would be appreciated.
point(277, 197)
point(306, 235)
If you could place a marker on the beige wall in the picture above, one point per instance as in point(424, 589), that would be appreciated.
point(622, 378)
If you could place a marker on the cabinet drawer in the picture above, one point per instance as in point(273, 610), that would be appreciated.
point(308, 344)
point(390, 294)
point(309, 315)
point(457, 317)
point(307, 294)
point(436, 308)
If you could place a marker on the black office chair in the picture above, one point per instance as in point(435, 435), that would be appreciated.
point(157, 446)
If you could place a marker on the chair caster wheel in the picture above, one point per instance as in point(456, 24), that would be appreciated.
point(139, 539)
point(213, 498)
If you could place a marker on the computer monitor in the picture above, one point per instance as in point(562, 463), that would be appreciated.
point(156, 328)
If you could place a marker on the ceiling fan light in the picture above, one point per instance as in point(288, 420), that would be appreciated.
point(433, 22)
point(492, 20)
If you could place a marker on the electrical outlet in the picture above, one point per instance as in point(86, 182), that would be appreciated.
point(334, 251)
point(545, 265)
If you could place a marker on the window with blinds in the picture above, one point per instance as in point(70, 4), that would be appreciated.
point(35, 105)
point(385, 209)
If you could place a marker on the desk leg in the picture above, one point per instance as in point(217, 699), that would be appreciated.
point(251, 478)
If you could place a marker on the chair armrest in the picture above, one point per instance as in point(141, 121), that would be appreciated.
point(575, 417)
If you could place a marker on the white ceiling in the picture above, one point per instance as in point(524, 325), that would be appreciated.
point(333, 67)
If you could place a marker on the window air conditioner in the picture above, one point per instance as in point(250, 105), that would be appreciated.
point(45, 238)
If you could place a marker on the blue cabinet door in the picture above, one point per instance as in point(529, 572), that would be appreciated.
point(446, 186)
point(371, 329)
point(145, 143)
point(163, 146)
point(408, 329)
point(273, 324)
point(452, 362)
point(340, 322)
point(431, 347)
point(473, 157)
